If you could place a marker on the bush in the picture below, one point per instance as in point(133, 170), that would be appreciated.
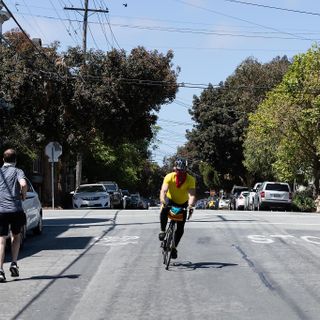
point(303, 201)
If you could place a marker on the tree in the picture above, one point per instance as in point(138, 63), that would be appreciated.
point(287, 125)
point(221, 116)
point(105, 109)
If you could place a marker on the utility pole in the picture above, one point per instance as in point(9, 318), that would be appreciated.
point(4, 16)
point(85, 11)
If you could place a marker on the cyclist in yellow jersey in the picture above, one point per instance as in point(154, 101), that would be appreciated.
point(178, 189)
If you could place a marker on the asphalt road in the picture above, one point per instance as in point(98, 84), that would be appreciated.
point(107, 264)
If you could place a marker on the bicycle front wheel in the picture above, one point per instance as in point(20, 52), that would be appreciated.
point(166, 246)
point(170, 244)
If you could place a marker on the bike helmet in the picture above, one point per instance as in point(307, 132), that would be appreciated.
point(181, 164)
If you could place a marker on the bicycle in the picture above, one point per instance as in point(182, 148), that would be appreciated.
point(168, 244)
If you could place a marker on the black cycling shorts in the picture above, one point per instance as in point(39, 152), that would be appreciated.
point(16, 220)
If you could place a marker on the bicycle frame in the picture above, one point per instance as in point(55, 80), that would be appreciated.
point(168, 243)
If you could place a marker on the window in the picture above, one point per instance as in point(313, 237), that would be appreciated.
point(277, 187)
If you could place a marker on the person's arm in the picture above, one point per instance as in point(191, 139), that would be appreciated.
point(163, 193)
point(192, 197)
point(24, 188)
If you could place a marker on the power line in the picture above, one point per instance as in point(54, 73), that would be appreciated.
point(68, 31)
point(237, 18)
point(176, 122)
point(189, 30)
point(272, 7)
point(32, 18)
point(103, 29)
point(77, 38)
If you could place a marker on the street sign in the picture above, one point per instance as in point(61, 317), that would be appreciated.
point(53, 151)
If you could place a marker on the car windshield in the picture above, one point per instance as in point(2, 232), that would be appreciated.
point(245, 193)
point(90, 189)
point(277, 187)
point(135, 197)
point(110, 187)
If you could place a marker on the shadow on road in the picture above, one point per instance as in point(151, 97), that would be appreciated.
point(51, 238)
point(47, 277)
point(203, 265)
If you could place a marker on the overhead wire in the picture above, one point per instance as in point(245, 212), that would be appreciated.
point(93, 38)
point(68, 31)
point(237, 18)
point(188, 30)
point(272, 7)
point(33, 18)
point(102, 28)
point(75, 32)
point(111, 31)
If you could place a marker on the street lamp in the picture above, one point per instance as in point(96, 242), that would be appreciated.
point(4, 16)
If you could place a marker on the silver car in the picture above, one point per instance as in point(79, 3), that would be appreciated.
point(93, 195)
point(273, 195)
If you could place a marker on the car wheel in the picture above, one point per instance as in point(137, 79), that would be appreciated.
point(38, 229)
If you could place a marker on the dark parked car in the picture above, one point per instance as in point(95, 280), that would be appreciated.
point(115, 193)
point(201, 204)
point(144, 203)
point(135, 201)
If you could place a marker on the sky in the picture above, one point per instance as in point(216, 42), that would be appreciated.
point(209, 39)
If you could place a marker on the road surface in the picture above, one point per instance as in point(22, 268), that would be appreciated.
point(107, 264)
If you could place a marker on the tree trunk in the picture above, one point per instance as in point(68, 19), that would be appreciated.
point(79, 169)
point(316, 194)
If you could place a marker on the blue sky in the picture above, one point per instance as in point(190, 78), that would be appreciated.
point(209, 38)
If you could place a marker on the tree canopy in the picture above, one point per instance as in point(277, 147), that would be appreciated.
point(106, 107)
point(221, 116)
point(283, 138)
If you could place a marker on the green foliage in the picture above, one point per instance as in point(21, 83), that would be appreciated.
point(101, 152)
point(105, 109)
point(303, 201)
point(287, 124)
point(210, 176)
point(221, 117)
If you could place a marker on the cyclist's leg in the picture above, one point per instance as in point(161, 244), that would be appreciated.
point(164, 216)
point(180, 229)
point(163, 219)
point(163, 222)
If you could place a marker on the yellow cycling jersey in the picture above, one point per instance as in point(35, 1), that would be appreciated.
point(179, 195)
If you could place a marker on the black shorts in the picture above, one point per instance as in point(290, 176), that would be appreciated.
point(16, 220)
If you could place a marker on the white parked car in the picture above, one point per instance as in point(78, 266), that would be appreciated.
point(33, 210)
point(273, 195)
point(223, 203)
point(93, 195)
point(250, 199)
point(240, 200)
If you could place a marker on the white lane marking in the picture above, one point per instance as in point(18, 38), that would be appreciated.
point(116, 241)
point(307, 238)
point(256, 238)
point(267, 239)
